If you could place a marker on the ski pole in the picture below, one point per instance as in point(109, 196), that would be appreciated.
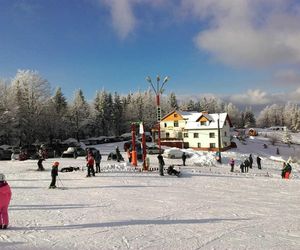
point(60, 182)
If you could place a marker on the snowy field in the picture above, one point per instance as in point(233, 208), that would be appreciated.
point(208, 207)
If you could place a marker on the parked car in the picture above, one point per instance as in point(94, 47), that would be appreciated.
point(154, 149)
point(71, 152)
point(15, 155)
point(94, 150)
point(5, 154)
point(147, 137)
point(28, 152)
point(128, 145)
point(138, 148)
point(49, 150)
point(173, 153)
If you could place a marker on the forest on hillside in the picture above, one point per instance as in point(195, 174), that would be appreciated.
point(31, 112)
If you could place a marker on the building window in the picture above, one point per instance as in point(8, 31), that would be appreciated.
point(175, 123)
point(168, 135)
point(179, 135)
point(225, 144)
point(199, 145)
point(186, 135)
point(211, 135)
point(225, 133)
point(175, 115)
point(165, 124)
point(203, 123)
point(196, 135)
point(225, 123)
point(212, 145)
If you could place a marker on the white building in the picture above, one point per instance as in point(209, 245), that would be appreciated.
point(196, 130)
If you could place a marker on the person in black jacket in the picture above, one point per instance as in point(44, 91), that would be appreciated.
point(250, 160)
point(183, 158)
point(247, 165)
point(258, 160)
point(161, 164)
point(97, 161)
point(54, 173)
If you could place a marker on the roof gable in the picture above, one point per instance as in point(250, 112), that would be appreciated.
point(172, 116)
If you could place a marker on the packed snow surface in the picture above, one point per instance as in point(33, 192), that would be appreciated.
point(208, 207)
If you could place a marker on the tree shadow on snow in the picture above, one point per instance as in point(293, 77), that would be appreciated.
point(129, 223)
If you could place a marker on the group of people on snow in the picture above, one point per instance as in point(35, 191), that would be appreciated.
point(91, 159)
point(246, 164)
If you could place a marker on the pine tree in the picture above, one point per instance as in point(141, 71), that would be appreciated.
point(79, 114)
point(172, 101)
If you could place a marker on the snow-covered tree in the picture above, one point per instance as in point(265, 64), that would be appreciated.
point(80, 113)
point(249, 118)
point(172, 101)
point(287, 137)
point(30, 93)
point(233, 113)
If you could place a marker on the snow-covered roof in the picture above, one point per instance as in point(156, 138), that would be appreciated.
point(187, 114)
point(212, 124)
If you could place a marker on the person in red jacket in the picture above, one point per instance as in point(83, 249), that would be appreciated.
point(90, 164)
point(5, 196)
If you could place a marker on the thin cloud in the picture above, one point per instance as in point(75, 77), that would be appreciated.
point(248, 33)
point(287, 77)
point(251, 97)
point(123, 19)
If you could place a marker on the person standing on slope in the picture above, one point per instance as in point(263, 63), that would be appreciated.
point(250, 160)
point(5, 196)
point(258, 160)
point(161, 163)
point(90, 164)
point(231, 163)
point(54, 173)
point(98, 158)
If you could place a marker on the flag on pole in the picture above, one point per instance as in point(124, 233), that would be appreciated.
point(141, 128)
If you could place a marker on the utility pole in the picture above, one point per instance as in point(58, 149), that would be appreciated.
point(219, 140)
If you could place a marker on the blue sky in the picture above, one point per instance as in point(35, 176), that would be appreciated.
point(245, 51)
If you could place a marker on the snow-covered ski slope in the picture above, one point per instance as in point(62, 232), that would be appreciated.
point(208, 207)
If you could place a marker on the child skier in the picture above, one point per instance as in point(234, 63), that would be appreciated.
point(54, 173)
point(286, 170)
point(5, 196)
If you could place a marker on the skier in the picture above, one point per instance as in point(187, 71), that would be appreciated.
point(161, 164)
point(286, 170)
point(250, 160)
point(40, 161)
point(98, 158)
point(5, 196)
point(231, 163)
point(258, 160)
point(54, 173)
point(183, 158)
point(90, 164)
